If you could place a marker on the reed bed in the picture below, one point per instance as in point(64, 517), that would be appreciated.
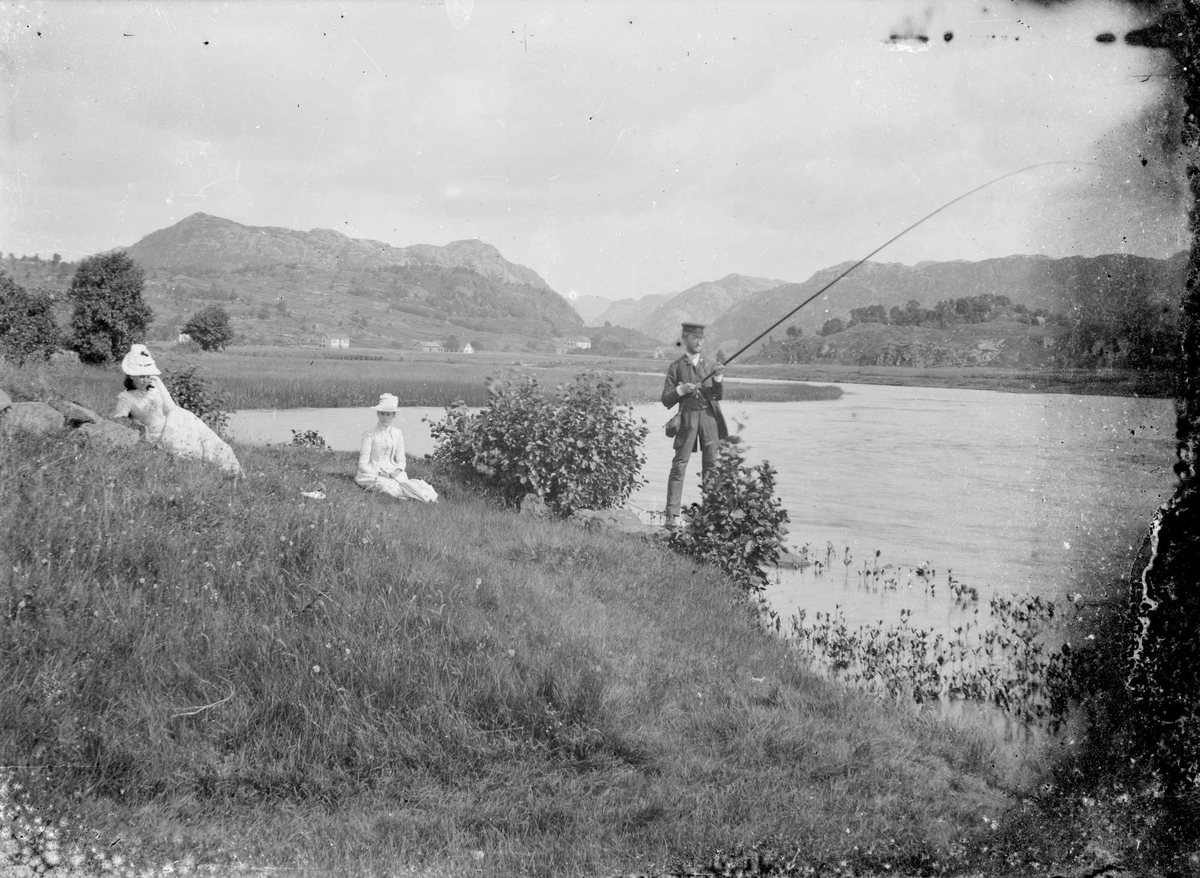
point(284, 378)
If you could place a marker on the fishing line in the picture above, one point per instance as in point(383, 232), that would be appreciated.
point(889, 241)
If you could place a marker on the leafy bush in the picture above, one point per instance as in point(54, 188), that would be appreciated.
point(190, 391)
point(739, 524)
point(27, 327)
point(209, 328)
point(110, 314)
point(576, 448)
point(309, 439)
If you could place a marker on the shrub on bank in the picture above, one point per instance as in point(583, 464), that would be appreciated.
point(576, 448)
point(738, 525)
point(191, 392)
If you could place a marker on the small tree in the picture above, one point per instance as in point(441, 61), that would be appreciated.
point(210, 328)
point(739, 524)
point(832, 325)
point(189, 390)
point(576, 448)
point(27, 327)
point(110, 314)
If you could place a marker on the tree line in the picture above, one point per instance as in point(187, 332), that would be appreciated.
point(947, 313)
point(1134, 329)
point(109, 313)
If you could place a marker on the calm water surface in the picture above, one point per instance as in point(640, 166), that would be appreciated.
point(1022, 493)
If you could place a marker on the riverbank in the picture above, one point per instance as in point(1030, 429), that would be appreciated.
point(1086, 382)
point(231, 674)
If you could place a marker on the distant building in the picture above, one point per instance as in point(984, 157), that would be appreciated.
point(658, 353)
point(467, 349)
point(184, 337)
point(573, 342)
point(432, 347)
point(334, 341)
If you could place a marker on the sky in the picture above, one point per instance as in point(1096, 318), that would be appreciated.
point(616, 148)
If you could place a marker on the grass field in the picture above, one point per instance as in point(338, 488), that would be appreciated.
point(203, 672)
point(251, 378)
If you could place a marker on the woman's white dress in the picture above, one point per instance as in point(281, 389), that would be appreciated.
point(381, 467)
point(174, 428)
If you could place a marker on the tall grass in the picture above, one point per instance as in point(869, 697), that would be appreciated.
point(308, 378)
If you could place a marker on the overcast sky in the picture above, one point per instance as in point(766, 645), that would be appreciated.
point(616, 148)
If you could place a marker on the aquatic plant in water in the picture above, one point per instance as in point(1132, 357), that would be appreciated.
point(1006, 660)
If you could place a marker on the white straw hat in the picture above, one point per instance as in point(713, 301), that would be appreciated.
point(387, 403)
point(138, 362)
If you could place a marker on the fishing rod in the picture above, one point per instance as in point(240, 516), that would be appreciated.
point(889, 241)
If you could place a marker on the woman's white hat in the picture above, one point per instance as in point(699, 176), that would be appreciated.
point(387, 403)
point(138, 362)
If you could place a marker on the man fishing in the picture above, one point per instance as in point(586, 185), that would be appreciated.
point(695, 385)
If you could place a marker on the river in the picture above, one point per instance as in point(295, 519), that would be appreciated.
point(1045, 494)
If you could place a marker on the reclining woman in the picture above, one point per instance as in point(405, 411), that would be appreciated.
point(382, 465)
point(167, 424)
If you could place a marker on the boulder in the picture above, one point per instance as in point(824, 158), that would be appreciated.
point(109, 434)
point(615, 520)
point(789, 560)
point(33, 417)
point(5, 400)
point(532, 504)
point(74, 413)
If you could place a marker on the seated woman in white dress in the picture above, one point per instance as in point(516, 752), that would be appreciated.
point(381, 462)
point(148, 402)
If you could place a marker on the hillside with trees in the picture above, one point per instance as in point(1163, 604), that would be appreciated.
point(1089, 292)
point(1137, 330)
point(282, 286)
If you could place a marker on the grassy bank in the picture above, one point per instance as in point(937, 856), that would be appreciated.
point(203, 671)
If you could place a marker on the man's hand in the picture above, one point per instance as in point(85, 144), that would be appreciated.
point(687, 389)
point(718, 369)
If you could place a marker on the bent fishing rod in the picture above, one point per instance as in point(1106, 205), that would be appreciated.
point(886, 243)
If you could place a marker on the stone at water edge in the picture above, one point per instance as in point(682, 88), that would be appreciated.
point(5, 400)
point(34, 417)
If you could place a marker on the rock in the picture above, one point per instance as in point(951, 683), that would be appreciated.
point(64, 357)
point(33, 417)
point(108, 434)
point(790, 561)
point(614, 520)
point(74, 413)
point(532, 504)
point(5, 400)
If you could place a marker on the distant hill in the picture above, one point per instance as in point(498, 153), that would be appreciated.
point(287, 286)
point(618, 340)
point(1070, 286)
point(589, 307)
point(632, 313)
point(702, 303)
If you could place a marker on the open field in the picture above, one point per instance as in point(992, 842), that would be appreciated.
point(207, 672)
point(313, 378)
